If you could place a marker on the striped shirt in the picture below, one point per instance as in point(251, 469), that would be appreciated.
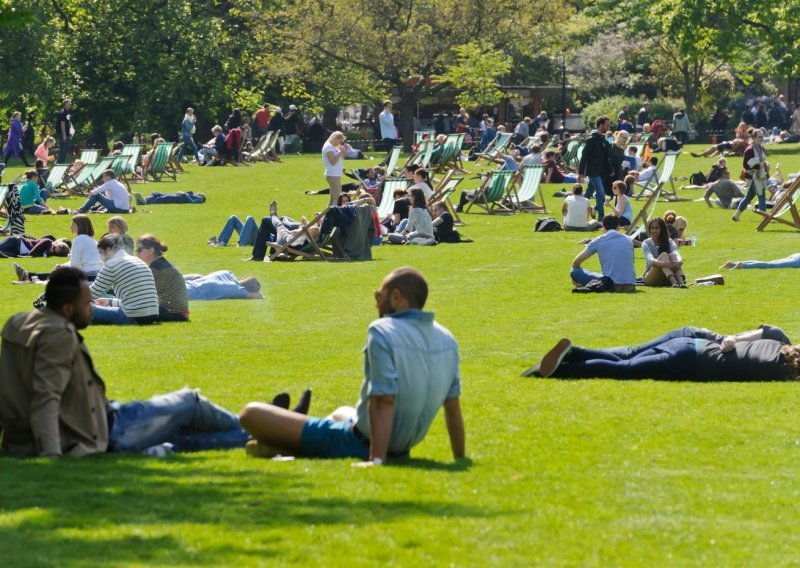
point(171, 288)
point(131, 282)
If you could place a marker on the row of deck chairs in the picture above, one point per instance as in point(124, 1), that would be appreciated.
point(498, 193)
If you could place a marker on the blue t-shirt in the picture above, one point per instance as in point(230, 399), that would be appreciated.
point(221, 285)
point(510, 164)
point(616, 256)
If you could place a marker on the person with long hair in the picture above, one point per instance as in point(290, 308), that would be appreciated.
point(622, 207)
point(663, 262)
point(419, 229)
point(333, 159)
point(188, 127)
point(117, 225)
point(173, 302)
point(755, 169)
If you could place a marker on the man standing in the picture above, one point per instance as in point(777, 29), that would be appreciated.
point(410, 371)
point(291, 123)
point(64, 131)
point(53, 401)
point(276, 124)
point(616, 258)
point(643, 116)
point(386, 121)
point(595, 163)
point(261, 122)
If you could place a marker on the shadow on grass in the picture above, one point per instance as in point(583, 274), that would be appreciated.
point(432, 465)
point(183, 510)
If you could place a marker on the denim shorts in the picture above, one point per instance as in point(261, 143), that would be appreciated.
point(326, 438)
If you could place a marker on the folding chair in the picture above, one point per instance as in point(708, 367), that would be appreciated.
point(645, 214)
point(134, 152)
point(82, 179)
point(394, 156)
point(159, 162)
point(525, 196)
point(90, 156)
point(442, 192)
point(312, 249)
point(120, 167)
point(390, 185)
point(260, 149)
point(667, 167)
point(787, 202)
point(55, 177)
point(491, 194)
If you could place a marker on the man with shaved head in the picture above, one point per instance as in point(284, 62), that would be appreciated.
point(410, 371)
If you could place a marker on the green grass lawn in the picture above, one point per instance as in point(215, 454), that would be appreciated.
point(592, 472)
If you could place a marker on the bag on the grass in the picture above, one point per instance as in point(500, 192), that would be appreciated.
point(698, 178)
point(596, 285)
point(547, 225)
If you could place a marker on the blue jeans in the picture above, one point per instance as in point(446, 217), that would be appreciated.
point(673, 359)
point(104, 201)
point(596, 188)
point(183, 418)
point(110, 315)
point(751, 193)
point(247, 231)
point(35, 209)
point(189, 145)
point(688, 331)
point(401, 226)
point(791, 261)
point(583, 276)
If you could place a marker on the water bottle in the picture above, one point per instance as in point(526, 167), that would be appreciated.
point(694, 239)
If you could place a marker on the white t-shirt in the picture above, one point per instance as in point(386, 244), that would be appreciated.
point(387, 125)
point(532, 160)
point(577, 206)
point(116, 192)
point(84, 254)
point(426, 189)
point(648, 173)
point(332, 170)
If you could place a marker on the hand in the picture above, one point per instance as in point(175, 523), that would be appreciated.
point(728, 344)
point(103, 302)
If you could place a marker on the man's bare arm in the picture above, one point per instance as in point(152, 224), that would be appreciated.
point(580, 258)
point(455, 427)
point(381, 414)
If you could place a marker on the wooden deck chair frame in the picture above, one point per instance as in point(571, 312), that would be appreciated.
point(268, 157)
point(492, 192)
point(451, 158)
point(667, 167)
point(788, 202)
point(81, 180)
point(498, 143)
point(645, 214)
point(260, 149)
point(120, 167)
point(390, 185)
point(528, 191)
point(174, 163)
point(444, 189)
point(96, 177)
point(159, 163)
point(316, 251)
point(90, 156)
point(416, 158)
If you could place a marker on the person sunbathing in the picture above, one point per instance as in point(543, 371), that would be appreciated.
point(222, 285)
point(48, 245)
point(738, 144)
point(791, 261)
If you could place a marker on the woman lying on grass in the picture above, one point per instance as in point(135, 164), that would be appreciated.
point(791, 261)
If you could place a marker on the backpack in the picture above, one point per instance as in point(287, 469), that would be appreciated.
point(547, 225)
point(698, 178)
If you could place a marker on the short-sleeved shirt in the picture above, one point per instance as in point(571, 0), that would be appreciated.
point(616, 256)
point(332, 170)
point(556, 176)
point(220, 285)
point(749, 360)
point(414, 359)
point(402, 207)
point(64, 117)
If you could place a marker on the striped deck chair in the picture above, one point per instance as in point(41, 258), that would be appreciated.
point(174, 158)
point(667, 167)
point(3, 192)
point(89, 156)
point(134, 152)
point(394, 156)
point(259, 152)
point(312, 249)
point(120, 167)
point(787, 202)
point(524, 198)
point(499, 143)
point(451, 152)
point(640, 221)
point(420, 135)
point(82, 180)
point(492, 193)
point(270, 149)
point(442, 192)
point(422, 147)
point(55, 177)
point(390, 185)
point(96, 177)
point(159, 162)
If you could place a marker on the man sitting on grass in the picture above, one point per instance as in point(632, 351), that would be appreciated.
point(411, 370)
point(615, 250)
point(112, 195)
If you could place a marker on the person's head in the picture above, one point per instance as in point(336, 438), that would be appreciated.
point(117, 225)
point(418, 198)
point(657, 230)
point(371, 173)
point(756, 135)
point(250, 284)
point(409, 170)
point(108, 175)
point(343, 199)
point(527, 120)
point(336, 138)
point(633, 150)
point(49, 141)
point(82, 225)
point(621, 138)
point(189, 111)
point(237, 113)
point(619, 188)
point(420, 176)
point(31, 175)
point(61, 247)
point(536, 149)
point(387, 104)
point(610, 222)
point(39, 165)
point(154, 137)
point(66, 104)
point(577, 189)
point(602, 124)
point(646, 128)
point(216, 130)
point(629, 182)
point(67, 294)
point(462, 111)
point(653, 161)
point(150, 248)
point(16, 115)
point(109, 245)
point(669, 216)
point(646, 104)
point(400, 193)
point(403, 289)
point(118, 145)
point(439, 208)
point(549, 154)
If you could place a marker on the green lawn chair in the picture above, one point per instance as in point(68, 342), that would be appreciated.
point(492, 194)
point(90, 156)
point(134, 152)
point(390, 185)
point(312, 249)
point(55, 177)
point(120, 167)
point(787, 202)
point(158, 167)
point(82, 180)
point(524, 199)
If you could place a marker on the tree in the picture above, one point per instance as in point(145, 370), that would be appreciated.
point(476, 74)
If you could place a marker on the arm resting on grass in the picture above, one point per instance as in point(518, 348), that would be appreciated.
point(455, 427)
point(381, 415)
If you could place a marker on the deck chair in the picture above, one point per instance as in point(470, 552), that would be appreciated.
point(259, 152)
point(492, 193)
point(787, 202)
point(120, 167)
point(524, 198)
point(174, 158)
point(442, 192)
point(55, 177)
point(319, 249)
point(268, 157)
point(642, 218)
point(82, 180)
point(451, 152)
point(420, 135)
point(390, 185)
point(499, 143)
point(90, 156)
point(667, 167)
point(394, 156)
point(422, 147)
point(159, 162)
point(134, 152)
point(96, 177)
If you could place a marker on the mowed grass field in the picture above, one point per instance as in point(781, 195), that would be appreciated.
point(563, 473)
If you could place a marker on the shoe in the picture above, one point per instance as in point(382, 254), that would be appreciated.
point(554, 357)
point(256, 449)
point(304, 404)
point(532, 372)
point(22, 274)
point(282, 400)
point(273, 209)
point(139, 199)
point(213, 241)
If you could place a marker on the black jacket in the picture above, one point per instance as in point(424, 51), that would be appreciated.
point(594, 161)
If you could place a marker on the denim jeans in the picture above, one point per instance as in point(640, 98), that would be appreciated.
point(583, 276)
point(35, 209)
point(596, 188)
point(104, 201)
point(688, 331)
point(247, 231)
point(115, 315)
point(63, 150)
point(791, 261)
point(183, 418)
point(267, 232)
point(189, 146)
point(751, 193)
point(673, 359)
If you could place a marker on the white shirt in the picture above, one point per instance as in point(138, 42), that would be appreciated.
point(577, 206)
point(387, 124)
point(332, 170)
point(648, 174)
point(426, 189)
point(531, 160)
point(116, 192)
point(84, 254)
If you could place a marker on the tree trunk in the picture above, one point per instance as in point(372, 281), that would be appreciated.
point(408, 104)
point(329, 116)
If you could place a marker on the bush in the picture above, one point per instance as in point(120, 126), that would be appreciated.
point(610, 106)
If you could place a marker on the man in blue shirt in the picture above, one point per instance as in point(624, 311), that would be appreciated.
point(410, 371)
point(616, 258)
point(386, 121)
